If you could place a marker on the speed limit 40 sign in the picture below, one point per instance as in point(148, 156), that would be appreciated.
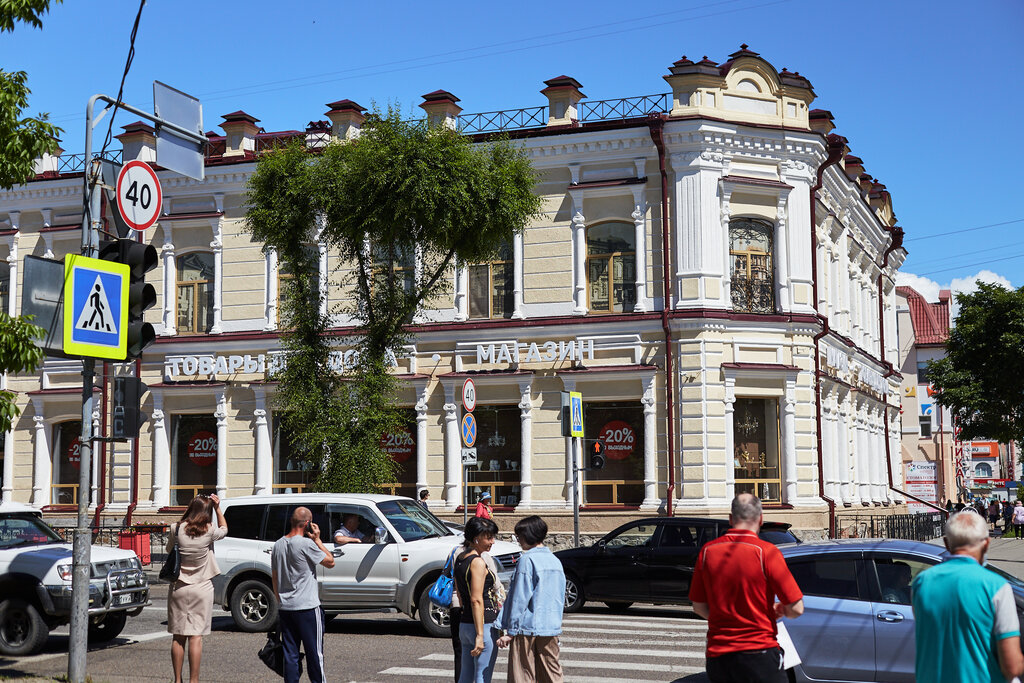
point(138, 195)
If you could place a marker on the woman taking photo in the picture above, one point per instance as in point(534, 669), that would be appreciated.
point(190, 600)
point(478, 595)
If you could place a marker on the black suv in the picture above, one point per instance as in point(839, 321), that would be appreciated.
point(649, 560)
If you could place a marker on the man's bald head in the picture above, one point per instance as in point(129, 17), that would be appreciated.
point(746, 512)
point(301, 517)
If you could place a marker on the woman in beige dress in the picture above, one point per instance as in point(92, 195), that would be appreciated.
point(190, 600)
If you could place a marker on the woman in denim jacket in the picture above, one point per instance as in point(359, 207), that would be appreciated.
point(532, 614)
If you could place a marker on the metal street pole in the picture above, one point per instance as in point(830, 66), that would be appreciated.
point(575, 493)
point(465, 494)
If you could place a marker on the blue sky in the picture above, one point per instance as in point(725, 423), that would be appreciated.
point(926, 92)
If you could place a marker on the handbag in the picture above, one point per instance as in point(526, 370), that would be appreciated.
point(272, 654)
point(441, 592)
point(172, 565)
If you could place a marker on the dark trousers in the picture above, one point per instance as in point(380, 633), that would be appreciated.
point(305, 627)
point(754, 666)
point(1018, 529)
point(454, 617)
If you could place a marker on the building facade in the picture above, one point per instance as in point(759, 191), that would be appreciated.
point(713, 271)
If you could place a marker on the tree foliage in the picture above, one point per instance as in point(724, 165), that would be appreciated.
point(22, 139)
point(398, 206)
point(981, 379)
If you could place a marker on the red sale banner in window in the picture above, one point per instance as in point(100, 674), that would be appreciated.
point(399, 444)
point(75, 452)
point(619, 439)
point(202, 448)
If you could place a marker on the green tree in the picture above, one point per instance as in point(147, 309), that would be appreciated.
point(981, 379)
point(401, 192)
point(22, 140)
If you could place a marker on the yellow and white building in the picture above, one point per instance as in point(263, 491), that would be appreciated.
point(756, 354)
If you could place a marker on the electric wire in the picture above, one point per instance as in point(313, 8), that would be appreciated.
point(120, 89)
point(961, 230)
point(971, 265)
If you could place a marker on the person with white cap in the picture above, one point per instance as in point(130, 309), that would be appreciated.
point(483, 506)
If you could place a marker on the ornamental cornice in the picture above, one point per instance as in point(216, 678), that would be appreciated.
point(555, 147)
point(45, 190)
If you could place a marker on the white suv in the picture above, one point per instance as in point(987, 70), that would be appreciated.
point(404, 550)
point(35, 584)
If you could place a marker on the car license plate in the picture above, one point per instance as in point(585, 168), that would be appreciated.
point(124, 599)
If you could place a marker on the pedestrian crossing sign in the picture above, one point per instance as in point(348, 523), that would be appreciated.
point(575, 413)
point(95, 308)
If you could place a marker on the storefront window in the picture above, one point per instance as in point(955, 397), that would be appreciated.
point(611, 267)
point(400, 444)
point(292, 473)
point(498, 452)
point(490, 287)
point(67, 459)
point(753, 275)
point(193, 457)
point(195, 292)
point(620, 427)
point(756, 448)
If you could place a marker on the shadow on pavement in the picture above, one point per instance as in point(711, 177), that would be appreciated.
point(692, 678)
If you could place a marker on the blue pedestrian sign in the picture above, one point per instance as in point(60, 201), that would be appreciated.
point(468, 430)
point(95, 307)
point(575, 413)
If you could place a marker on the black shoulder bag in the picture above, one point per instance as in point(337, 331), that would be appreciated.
point(172, 565)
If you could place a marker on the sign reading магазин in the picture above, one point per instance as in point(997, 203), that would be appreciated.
point(535, 352)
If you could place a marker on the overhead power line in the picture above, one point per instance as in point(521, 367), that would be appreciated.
point(971, 265)
point(957, 232)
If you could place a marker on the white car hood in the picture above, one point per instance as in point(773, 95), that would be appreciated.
point(449, 542)
point(38, 560)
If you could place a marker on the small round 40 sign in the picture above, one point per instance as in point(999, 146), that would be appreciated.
point(138, 195)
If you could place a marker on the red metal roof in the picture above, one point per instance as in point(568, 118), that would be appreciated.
point(930, 321)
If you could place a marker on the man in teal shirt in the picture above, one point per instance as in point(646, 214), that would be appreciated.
point(965, 618)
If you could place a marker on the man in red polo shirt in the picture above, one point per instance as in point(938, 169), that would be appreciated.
point(734, 587)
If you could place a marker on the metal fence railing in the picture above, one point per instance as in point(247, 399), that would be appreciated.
point(920, 527)
point(110, 536)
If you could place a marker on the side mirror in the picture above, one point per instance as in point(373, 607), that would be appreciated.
point(380, 535)
point(600, 545)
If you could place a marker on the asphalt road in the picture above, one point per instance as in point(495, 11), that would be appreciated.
point(644, 644)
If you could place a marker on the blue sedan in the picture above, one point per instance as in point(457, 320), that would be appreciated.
point(858, 624)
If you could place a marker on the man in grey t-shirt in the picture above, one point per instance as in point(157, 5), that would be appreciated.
point(293, 563)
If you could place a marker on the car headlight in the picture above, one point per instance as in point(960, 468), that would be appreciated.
point(64, 572)
point(136, 563)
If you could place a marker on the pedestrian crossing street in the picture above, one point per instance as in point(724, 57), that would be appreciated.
point(596, 648)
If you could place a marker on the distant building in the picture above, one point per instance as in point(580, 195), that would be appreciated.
point(712, 301)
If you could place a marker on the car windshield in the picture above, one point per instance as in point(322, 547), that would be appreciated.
point(778, 536)
point(411, 521)
point(22, 530)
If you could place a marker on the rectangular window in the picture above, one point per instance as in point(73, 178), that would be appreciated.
point(285, 276)
point(490, 290)
point(620, 427)
point(195, 292)
point(5, 289)
point(498, 452)
point(926, 426)
point(292, 473)
point(67, 459)
point(922, 372)
point(756, 448)
point(193, 457)
point(400, 444)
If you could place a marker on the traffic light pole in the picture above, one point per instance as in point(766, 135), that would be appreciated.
point(91, 208)
point(575, 492)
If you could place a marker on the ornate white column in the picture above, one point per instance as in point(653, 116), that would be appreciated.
point(12, 269)
point(461, 289)
point(782, 255)
point(652, 501)
point(218, 274)
point(828, 445)
point(526, 443)
point(452, 451)
point(161, 454)
point(640, 237)
point(895, 452)
point(518, 268)
point(730, 438)
point(41, 470)
point(862, 456)
point(579, 271)
point(849, 492)
point(322, 266)
point(270, 323)
point(421, 440)
point(170, 282)
point(789, 469)
point(222, 444)
point(263, 478)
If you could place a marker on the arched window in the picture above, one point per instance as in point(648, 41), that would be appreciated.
point(753, 269)
point(195, 292)
point(611, 267)
point(983, 470)
point(490, 286)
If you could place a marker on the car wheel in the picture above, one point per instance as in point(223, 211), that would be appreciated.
point(433, 617)
point(253, 606)
point(22, 629)
point(574, 596)
point(105, 627)
point(619, 606)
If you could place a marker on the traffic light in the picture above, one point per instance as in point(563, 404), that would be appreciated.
point(127, 416)
point(140, 258)
point(597, 455)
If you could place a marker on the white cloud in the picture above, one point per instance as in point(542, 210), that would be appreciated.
point(929, 289)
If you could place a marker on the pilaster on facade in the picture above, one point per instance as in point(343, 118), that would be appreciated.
point(639, 216)
point(700, 230)
point(161, 453)
point(270, 292)
point(264, 450)
point(421, 387)
point(217, 245)
point(41, 466)
point(652, 501)
point(579, 263)
point(518, 276)
point(170, 283)
point(526, 444)
point(221, 414)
